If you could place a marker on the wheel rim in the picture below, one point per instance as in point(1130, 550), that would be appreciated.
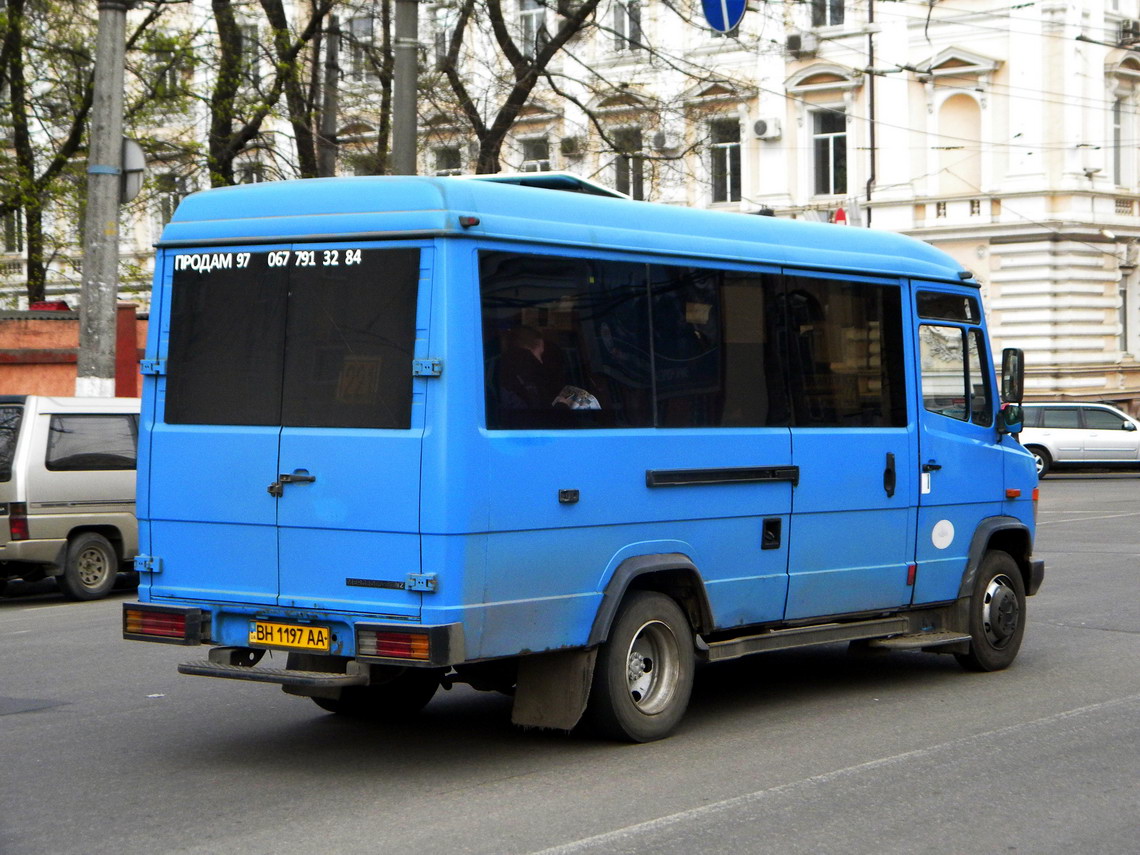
point(1001, 612)
point(93, 567)
point(1040, 462)
point(652, 667)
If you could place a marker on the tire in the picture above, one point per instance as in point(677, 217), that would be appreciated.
point(643, 677)
point(394, 700)
point(90, 569)
point(997, 615)
point(1043, 458)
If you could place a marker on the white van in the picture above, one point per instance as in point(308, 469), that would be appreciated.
point(67, 491)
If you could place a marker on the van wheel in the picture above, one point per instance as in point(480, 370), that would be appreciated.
point(644, 673)
point(399, 698)
point(1042, 457)
point(90, 568)
point(997, 615)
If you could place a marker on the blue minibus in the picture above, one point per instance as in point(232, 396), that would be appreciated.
point(403, 432)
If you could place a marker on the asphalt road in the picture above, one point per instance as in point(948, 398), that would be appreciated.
point(104, 748)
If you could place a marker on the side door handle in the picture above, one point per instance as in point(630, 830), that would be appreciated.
point(890, 478)
point(931, 466)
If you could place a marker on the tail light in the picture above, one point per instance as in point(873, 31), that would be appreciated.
point(18, 521)
point(165, 624)
point(394, 645)
point(428, 645)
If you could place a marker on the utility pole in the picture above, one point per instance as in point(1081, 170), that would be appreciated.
point(327, 142)
point(405, 48)
point(96, 360)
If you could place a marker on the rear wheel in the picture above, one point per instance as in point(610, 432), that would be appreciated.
point(997, 615)
point(1042, 457)
point(644, 672)
point(90, 568)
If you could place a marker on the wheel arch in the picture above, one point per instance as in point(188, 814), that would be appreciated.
point(1007, 534)
point(673, 574)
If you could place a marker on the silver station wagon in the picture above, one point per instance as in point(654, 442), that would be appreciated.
point(1080, 435)
point(67, 491)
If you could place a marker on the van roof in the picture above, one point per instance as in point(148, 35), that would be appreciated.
point(389, 207)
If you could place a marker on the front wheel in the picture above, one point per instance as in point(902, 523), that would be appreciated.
point(997, 615)
point(644, 672)
point(90, 568)
point(1042, 458)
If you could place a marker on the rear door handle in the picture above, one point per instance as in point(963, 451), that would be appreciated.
point(297, 476)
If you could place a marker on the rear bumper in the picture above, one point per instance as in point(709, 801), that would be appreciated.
point(39, 551)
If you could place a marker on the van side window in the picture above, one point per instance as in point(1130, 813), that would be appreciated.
point(938, 306)
point(301, 338)
point(92, 442)
point(955, 375)
point(646, 345)
point(845, 353)
point(9, 433)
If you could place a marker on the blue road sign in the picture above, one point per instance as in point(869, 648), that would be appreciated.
point(723, 15)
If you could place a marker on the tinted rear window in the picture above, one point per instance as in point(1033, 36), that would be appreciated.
point(304, 338)
point(9, 431)
point(92, 442)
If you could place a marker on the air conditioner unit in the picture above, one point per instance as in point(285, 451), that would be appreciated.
point(802, 44)
point(766, 129)
point(666, 141)
point(570, 146)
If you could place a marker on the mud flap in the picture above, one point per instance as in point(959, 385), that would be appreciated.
point(553, 688)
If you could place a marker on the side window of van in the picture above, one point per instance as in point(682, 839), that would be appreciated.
point(92, 442)
point(845, 361)
point(579, 343)
point(301, 338)
point(9, 432)
point(955, 374)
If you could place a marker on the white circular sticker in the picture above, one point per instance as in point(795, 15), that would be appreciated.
point(943, 534)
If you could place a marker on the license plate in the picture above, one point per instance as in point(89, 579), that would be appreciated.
point(294, 636)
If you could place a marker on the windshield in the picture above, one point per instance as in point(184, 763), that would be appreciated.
point(9, 431)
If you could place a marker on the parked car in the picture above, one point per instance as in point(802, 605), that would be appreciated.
point(67, 491)
point(1077, 435)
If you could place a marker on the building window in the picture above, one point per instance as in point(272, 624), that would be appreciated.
point(629, 165)
point(830, 149)
point(940, 209)
point(532, 26)
point(170, 190)
point(250, 53)
point(1117, 141)
point(448, 161)
point(536, 155)
point(826, 13)
point(975, 207)
point(627, 26)
point(251, 173)
point(444, 21)
point(166, 73)
point(360, 34)
point(13, 232)
point(724, 167)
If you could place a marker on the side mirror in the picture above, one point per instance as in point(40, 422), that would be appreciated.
point(1128, 426)
point(1012, 375)
point(1010, 418)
